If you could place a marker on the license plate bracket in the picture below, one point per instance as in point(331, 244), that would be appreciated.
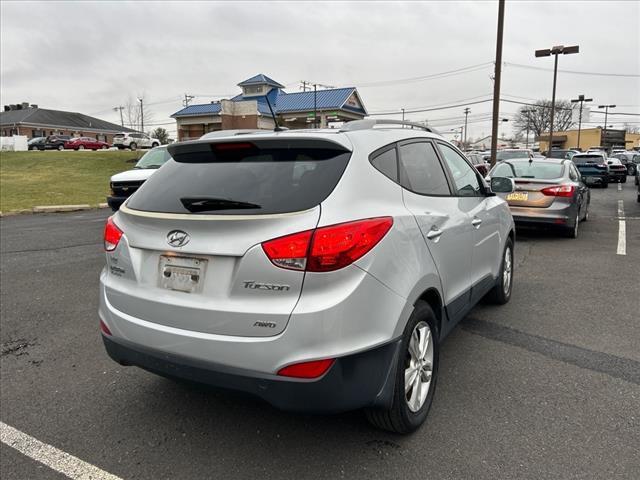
point(182, 274)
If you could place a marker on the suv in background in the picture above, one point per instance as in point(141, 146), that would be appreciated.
point(316, 269)
point(125, 184)
point(134, 140)
point(509, 153)
point(593, 167)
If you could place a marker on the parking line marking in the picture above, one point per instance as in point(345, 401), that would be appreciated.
point(50, 456)
point(619, 187)
point(622, 230)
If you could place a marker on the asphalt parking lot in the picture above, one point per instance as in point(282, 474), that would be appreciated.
point(547, 386)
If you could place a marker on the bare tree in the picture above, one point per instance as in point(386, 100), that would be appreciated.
point(537, 117)
point(630, 128)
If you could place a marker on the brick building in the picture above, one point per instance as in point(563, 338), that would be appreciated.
point(32, 121)
point(250, 109)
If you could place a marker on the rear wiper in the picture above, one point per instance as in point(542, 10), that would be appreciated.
point(208, 204)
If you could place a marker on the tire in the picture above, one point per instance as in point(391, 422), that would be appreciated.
point(60, 148)
point(406, 415)
point(133, 145)
point(605, 184)
point(154, 144)
point(586, 214)
point(623, 180)
point(501, 293)
point(33, 147)
point(81, 147)
point(103, 147)
point(572, 231)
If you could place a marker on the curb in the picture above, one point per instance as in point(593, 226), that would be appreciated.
point(53, 209)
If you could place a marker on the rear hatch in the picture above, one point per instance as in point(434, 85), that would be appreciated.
point(590, 165)
point(118, 138)
point(193, 258)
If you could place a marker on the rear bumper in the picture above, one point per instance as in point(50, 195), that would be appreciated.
point(618, 175)
point(596, 179)
point(550, 216)
point(354, 381)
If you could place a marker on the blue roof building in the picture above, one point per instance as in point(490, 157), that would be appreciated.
point(250, 109)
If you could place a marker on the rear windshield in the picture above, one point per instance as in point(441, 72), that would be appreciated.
point(503, 155)
point(588, 158)
point(243, 178)
point(534, 169)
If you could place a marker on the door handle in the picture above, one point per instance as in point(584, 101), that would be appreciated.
point(476, 222)
point(434, 234)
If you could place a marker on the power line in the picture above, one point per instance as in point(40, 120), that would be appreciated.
point(574, 72)
point(458, 71)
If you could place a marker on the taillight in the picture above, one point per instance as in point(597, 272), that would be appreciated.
point(112, 235)
point(327, 248)
point(312, 369)
point(559, 191)
point(104, 328)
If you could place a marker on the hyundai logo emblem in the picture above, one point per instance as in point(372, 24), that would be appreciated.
point(178, 238)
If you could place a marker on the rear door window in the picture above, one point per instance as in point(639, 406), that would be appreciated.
point(420, 169)
point(244, 178)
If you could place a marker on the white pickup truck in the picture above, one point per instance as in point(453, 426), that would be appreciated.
point(124, 184)
point(134, 140)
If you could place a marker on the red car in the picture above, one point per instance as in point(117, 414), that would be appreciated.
point(82, 143)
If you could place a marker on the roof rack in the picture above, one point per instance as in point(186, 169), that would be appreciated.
point(370, 123)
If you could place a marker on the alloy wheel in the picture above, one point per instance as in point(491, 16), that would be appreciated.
point(419, 366)
point(507, 271)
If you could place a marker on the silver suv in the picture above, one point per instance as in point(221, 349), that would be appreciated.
point(317, 269)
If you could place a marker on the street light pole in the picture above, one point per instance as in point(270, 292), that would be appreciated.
point(141, 116)
point(555, 51)
point(466, 114)
point(606, 113)
point(315, 105)
point(496, 84)
point(580, 99)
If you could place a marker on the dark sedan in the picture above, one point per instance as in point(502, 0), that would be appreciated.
point(617, 171)
point(548, 192)
point(36, 143)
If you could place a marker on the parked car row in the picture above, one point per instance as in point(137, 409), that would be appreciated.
point(131, 140)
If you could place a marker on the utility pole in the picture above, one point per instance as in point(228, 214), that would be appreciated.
point(304, 85)
point(466, 114)
point(187, 100)
point(555, 51)
point(115, 109)
point(315, 105)
point(141, 116)
point(606, 113)
point(496, 84)
point(580, 99)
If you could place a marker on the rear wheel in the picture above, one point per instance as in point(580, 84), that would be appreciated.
point(60, 147)
point(81, 147)
point(104, 147)
point(154, 144)
point(572, 231)
point(501, 292)
point(416, 375)
point(133, 145)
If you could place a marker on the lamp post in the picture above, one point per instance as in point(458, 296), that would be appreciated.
point(527, 112)
point(606, 113)
point(580, 99)
point(496, 84)
point(555, 51)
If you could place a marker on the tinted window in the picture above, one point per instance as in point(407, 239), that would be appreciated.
point(526, 169)
point(464, 175)
point(259, 177)
point(153, 158)
point(387, 164)
point(420, 169)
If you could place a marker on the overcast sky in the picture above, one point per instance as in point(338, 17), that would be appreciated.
point(92, 56)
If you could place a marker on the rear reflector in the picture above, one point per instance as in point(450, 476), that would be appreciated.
point(307, 369)
point(327, 248)
point(112, 235)
point(559, 191)
point(104, 328)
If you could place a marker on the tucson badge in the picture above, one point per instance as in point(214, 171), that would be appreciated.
point(178, 238)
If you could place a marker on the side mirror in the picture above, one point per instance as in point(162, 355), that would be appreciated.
point(502, 185)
